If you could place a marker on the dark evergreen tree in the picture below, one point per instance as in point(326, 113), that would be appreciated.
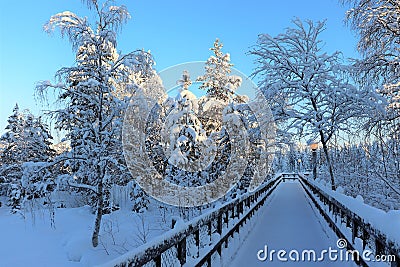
point(27, 140)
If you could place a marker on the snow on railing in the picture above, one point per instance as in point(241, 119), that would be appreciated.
point(362, 225)
point(209, 233)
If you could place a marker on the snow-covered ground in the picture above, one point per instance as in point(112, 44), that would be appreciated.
point(34, 242)
point(287, 221)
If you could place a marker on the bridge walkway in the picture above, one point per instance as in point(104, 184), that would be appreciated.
point(289, 222)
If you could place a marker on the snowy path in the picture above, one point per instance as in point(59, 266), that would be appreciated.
point(288, 222)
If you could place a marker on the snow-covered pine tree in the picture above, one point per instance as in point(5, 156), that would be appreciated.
point(38, 139)
point(223, 107)
point(222, 113)
point(185, 138)
point(217, 81)
point(93, 113)
point(37, 180)
point(11, 159)
point(10, 140)
point(220, 87)
point(27, 139)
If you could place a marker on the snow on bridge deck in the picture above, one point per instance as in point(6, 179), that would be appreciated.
point(289, 221)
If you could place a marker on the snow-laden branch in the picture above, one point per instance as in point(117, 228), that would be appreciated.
point(82, 186)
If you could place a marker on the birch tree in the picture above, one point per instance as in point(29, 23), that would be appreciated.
point(307, 93)
point(377, 24)
point(92, 113)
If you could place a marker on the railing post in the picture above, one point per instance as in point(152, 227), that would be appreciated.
point(219, 224)
point(197, 240)
point(348, 221)
point(335, 212)
point(343, 217)
point(396, 262)
point(182, 251)
point(353, 230)
point(365, 238)
point(157, 261)
point(378, 247)
point(209, 226)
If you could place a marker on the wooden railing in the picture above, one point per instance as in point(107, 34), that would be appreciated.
point(218, 225)
point(335, 213)
point(196, 242)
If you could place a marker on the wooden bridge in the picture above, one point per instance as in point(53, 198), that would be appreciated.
point(288, 212)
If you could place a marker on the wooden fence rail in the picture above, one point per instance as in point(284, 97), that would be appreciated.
point(370, 236)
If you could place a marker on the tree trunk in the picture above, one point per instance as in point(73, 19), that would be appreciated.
point(328, 159)
point(99, 213)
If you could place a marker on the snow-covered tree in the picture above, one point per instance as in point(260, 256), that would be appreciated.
point(38, 139)
point(185, 138)
point(143, 83)
point(27, 139)
point(11, 160)
point(93, 112)
point(224, 114)
point(139, 197)
point(216, 80)
point(184, 128)
point(306, 90)
point(145, 78)
point(220, 87)
point(377, 24)
point(12, 141)
point(36, 180)
point(369, 169)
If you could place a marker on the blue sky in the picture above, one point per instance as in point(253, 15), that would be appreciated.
point(174, 31)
